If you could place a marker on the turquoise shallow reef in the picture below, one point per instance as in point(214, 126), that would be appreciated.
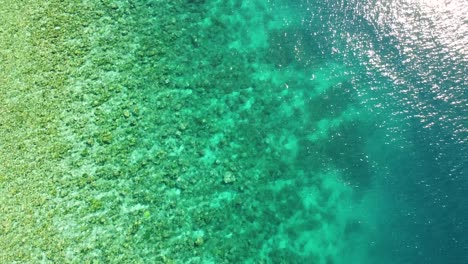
point(256, 131)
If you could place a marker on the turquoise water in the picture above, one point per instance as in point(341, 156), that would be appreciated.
point(366, 114)
point(263, 131)
point(361, 112)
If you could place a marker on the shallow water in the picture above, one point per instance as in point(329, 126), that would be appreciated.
point(265, 131)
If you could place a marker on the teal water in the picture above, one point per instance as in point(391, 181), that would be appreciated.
point(361, 111)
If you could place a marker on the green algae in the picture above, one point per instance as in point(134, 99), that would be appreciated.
point(35, 62)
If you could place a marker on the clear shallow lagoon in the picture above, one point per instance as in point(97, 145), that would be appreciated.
point(234, 132)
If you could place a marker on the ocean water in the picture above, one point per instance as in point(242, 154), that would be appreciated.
point(257, 131)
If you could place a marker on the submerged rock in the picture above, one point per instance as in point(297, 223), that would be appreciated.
point(229, 178)
point(198, 242)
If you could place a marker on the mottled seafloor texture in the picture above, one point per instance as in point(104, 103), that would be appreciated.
point(209, 131)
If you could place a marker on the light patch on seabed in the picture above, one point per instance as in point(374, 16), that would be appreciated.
point(308, 233)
